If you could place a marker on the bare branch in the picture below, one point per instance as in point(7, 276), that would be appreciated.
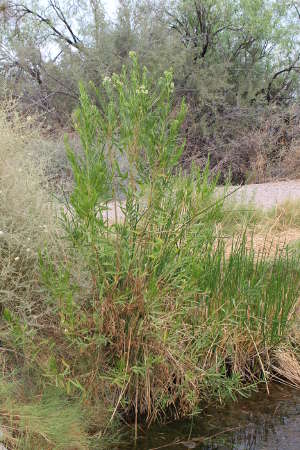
point(24, 10)
point(286, 70)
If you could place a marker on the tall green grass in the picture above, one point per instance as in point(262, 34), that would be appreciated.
point(45, 421)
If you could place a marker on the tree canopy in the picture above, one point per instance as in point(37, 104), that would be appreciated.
point(225, 54)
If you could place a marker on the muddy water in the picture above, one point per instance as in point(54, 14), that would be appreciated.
point(262, 422)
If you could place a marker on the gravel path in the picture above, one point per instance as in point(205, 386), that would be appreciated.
point(268, 195)
point(265, 195)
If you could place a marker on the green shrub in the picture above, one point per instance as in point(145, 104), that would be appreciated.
point(154, 314)
point(137, 307)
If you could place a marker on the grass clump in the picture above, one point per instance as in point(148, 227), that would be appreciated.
point(145, 315)
point(46, 421)
point(285, 216)
point(281, 218)
point(30, 418)
point(26, 216)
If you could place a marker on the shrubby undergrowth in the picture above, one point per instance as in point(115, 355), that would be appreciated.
point(147, 316)
point(167, 319)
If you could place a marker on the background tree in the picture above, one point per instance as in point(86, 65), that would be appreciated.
point(236, 61)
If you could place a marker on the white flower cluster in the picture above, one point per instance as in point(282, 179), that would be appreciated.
point(132, 54)
point(118, 82)
point(106, 80)
point(169, 78)
point(115, 79)
point(142, 90)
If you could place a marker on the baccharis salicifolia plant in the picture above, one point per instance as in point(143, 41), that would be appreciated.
point(152, 316)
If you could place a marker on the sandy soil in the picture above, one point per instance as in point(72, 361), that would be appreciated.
point(265, 195)
point(268, 195)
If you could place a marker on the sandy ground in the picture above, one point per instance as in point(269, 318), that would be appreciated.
point(268, 195)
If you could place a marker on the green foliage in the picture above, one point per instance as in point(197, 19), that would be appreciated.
point(237, 62)
point(245, 38)
point(235, 46)
point(151, 302)
point(134, 124)
point(139, 307)
point(49, 421)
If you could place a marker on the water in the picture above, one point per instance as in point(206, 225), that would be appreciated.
point(262, 422)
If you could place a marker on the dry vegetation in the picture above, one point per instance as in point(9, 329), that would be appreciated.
point(27, 220)
point(252, 146)
point(27, 223)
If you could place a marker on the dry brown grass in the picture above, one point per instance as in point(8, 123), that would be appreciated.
point(286, 366)
point(27, 218)
point(274, 229)
point(28, 225)
point(25, 204)
point(278, 228)
point(274, 241)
